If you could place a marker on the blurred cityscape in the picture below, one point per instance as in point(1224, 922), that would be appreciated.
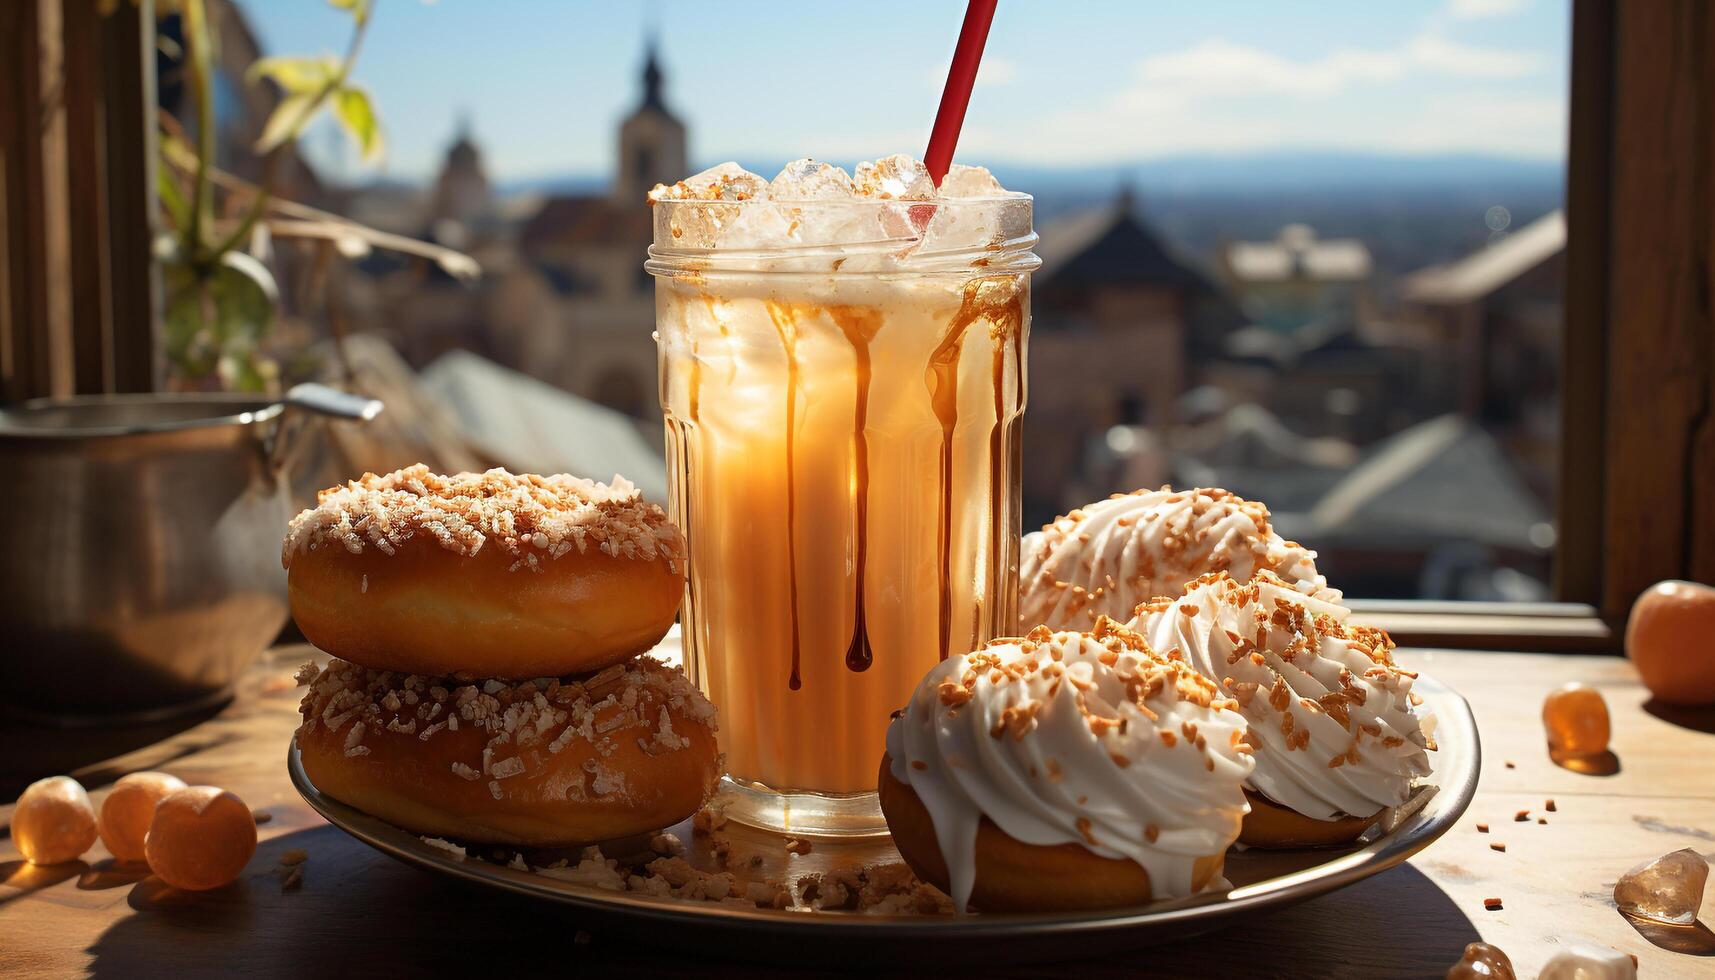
point(1380, 364)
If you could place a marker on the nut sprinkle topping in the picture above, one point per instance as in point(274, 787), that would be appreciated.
point(521, 724)
point(1108, 557)
point(1333, 712)
point(1093, 739)
point(531, 518)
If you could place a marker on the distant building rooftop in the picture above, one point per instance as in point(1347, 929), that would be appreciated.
point(1297, 254)
point(533, 427)
point(574, 220)
point(1444, 479)
point(1488, 269)
point(1108, 246)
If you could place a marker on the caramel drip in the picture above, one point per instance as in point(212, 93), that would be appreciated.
point(696, 384)
point(1008, 611)
point(997, 436)
point(942, 379)
point(860, 325)
point(786, 324)
point(1006, 315)
point(1006, 328)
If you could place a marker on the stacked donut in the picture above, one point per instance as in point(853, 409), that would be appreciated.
point(1090, 764)
point(487, 684)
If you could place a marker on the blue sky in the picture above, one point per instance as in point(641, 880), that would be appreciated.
point(1064, 82)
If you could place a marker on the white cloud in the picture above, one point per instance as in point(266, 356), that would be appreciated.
point(992, 72)
point(1474, 9)
point(1504, 126)
point(1465, 123)
point(1216, 68)
point(1222, 97)
point(1439, 54)
point(1426, 94)
point(996, 71)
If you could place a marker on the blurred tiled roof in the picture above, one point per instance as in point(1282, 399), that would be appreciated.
point(1109, 246)
point(1443, 479)
point(1488, 269)
point(532, 427)
point(586, 220)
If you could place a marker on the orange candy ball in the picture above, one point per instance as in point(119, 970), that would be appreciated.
point(53, 821)
point(1671, 640)
point(1576, 719)
point(201, 838)
point(128, 810)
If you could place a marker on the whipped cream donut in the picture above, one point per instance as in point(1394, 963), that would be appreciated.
point(1333, 718)
point(1094, 771)
point(1107, 558)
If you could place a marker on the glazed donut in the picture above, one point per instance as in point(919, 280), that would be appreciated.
point(1109, 557)
point(1339, 737)
point(544, 763)
point(1065, 771)
point(483, 575)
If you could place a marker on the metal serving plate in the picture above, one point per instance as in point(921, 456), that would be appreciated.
point(1261, 879)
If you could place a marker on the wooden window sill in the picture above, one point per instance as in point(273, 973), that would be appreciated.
point(1529, 627)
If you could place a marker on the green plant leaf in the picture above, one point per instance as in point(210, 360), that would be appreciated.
point(359, 8)
point(297, 76)
point(172, 197)
point(357, 114)
point(288, 120)
point(215, 319)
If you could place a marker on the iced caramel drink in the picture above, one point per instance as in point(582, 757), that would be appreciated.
point(842, 376)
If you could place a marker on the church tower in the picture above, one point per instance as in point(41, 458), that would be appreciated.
point(461, 191)
point(651, 141)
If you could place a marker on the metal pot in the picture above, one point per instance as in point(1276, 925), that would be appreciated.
point(140, 572)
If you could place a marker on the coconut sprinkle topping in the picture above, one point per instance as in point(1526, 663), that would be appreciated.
point(522, 724)
point(532, 518)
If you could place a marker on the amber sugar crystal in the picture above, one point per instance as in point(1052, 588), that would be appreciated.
point(1576, 720)
point(53, 821)
point(1482, 962)
point(201, 838)
point(1668, 889)
point(128, 810)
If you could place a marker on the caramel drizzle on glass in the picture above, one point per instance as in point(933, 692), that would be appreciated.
point(860, 326)
point(1006, 320)
point(786, 323)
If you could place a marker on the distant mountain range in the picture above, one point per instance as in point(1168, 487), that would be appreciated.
point(1272, 172)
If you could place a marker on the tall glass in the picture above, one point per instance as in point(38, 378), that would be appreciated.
point(843, 416)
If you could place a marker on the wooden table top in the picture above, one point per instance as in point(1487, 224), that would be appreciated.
point(358, 910)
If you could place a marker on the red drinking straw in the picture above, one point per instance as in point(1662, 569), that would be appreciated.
point(957, 95)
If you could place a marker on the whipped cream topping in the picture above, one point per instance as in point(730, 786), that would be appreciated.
point(1107, 558)
point(1333, 718)
point(1085, 738)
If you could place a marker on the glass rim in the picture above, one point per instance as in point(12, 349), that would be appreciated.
point(902, 257)
point(889, 246)
point(1007, 197)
